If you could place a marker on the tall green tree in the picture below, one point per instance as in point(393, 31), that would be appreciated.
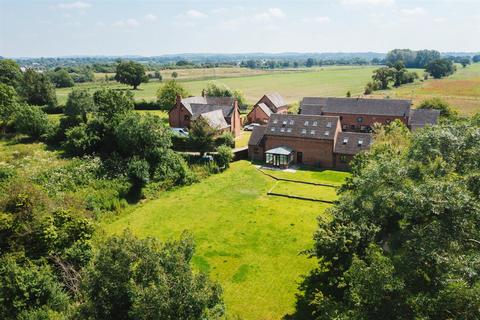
point(216, 89)
point(61, 78)
point(202, 136)
point(383, 76)
point(9, 104)
point(131, 278)
point(440, 68)
point(10, 73)
point(79, 104)
point(131, 73)
point(32, 121)
point(37, 89)
point(167, 94)
point(446, 110)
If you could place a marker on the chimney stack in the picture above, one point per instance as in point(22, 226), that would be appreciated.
point(178, 98)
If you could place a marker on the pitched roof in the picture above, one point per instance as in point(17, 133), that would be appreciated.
point(302, 126)
point(197, 109)
point(385, 107)
point(265, 109)
point(257, 135)
point(215, 119)
point(423, 117)
point(352, 142)
point(276, 99)
point(283, 150)
point(192, 103)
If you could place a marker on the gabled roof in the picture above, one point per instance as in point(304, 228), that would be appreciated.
point(257, 135)
point(276, 99)
point(379, 107)
point(423, 117)
point(192, 103)
point(265, 109)
point(302, 126)
point(215, 119)
point(197, 109)
point(352, 142)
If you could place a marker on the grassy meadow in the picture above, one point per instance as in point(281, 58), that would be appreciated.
point(248, 241)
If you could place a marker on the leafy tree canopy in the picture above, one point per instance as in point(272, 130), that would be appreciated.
point(440, 68)
point(10, 73)
point(446, 111)
point(79, 103)
point(215, 89)
point(167, 94)
point(37, 89)
point(131, 73)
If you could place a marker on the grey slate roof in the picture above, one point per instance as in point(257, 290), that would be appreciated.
point(197, 109)
point(193, 103)
point(215, 119)
point(283, 150)
point(386, 107)
point(276, 99)
point(423, 117)
point(303, 126)
point(265, 109)
point(257, 135)
point(348, 142)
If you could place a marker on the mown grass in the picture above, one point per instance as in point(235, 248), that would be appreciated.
point(242, 140)
point(307, 174)
point(303, 190)
point(248, 241)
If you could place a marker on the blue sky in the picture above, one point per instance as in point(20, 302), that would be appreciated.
point(147, 27)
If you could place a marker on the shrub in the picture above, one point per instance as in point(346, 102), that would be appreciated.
point(6, 173)
point(226, 139)
point(224, 156)
point(31, 121)
point(446, 111)
point(173, 170)
point(149, 105)
point(80, 140)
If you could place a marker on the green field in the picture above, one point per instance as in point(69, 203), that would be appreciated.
point(303, 190)
point(293, 85)
point(248, 241)
point(461, 90)
point(306, 174)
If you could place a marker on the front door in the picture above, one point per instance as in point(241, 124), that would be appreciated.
point(299, 157)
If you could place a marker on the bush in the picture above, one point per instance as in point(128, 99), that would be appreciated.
point(446, 111)
point(80, 140)
point(226, 139)
point(148, 105)
point(6, 172)
point(32, 121)
point(173, 170)
point(224, 156)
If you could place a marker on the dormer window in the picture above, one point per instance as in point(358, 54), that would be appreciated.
point(304, 131)
point(329, 124)
point(272, 129)
point(282, 129)
point(306, 123)
point(315, 123)
point(292, 122)
point(360, 142)
point(275, 121)
point(345, 140)
point(327, 133)
point(284, 122)
point(312, 132)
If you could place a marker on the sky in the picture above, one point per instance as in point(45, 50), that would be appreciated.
point(149, 28)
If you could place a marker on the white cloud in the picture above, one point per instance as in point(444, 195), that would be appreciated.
point(439, 20)
point(417, 11)
point(367, 2)
point(74, 5)
point(151, 17)
point(127, 23)
point(100, 24)
point(322, 19)
point(195, 14)
point(270, 15)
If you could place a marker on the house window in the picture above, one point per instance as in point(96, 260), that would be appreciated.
point(255, 150)
point(312, 131)
point(186, 117)
point(292, 122)
point(344, 127)
point(306, 123)
point(363, 128)
point(327, 133)
point(315, 123)
point(289, 129)
point(343, 158)
point(329, 124)
point(285, 122)
point(345, 140)
point(388, 121)
point(360, 142)
point(360, 119)
point(272, 129)
point(282, 129)
point(304, 131)
point(275, 121)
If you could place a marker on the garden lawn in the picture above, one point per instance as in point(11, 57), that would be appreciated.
point(242, 139)
point(248, 241)
point(306, 174)
point(304, 190)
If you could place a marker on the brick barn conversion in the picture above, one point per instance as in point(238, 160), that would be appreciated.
point(269, 104)
point(329, 132)
point(221, 113)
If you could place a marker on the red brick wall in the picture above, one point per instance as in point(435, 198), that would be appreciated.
point(343, 165)
point(235, 123)
point(351, 119)
point(176, 116)
point(257, 116)
point(256, 153)
point(315, 152)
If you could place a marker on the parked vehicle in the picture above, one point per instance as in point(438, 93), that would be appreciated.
point(180, 131)
point(250, 127)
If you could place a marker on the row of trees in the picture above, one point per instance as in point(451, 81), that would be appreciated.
point(403, 241)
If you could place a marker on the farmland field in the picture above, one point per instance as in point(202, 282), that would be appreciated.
point(293, 84)
point(248, 241)
point(461, 90)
